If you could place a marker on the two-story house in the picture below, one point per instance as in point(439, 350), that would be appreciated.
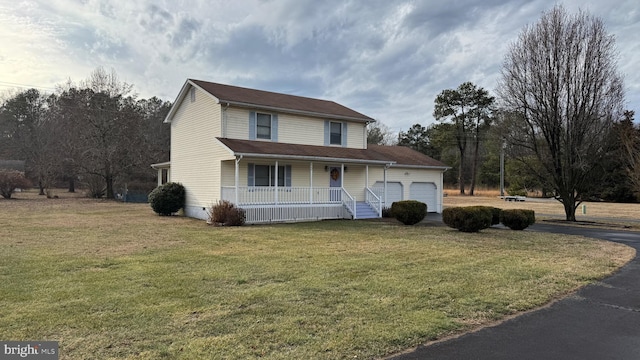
point(287, 158)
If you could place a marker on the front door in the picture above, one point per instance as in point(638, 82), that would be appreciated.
point(335, 183)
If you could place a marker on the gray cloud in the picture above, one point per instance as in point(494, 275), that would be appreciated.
point(387, 59)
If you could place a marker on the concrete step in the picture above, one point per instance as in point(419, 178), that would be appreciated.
point(364, 211)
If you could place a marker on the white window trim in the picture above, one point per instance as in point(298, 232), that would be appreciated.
point(258, 126)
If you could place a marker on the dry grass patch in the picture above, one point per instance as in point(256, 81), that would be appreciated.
point(552, 207)
point(116, 280)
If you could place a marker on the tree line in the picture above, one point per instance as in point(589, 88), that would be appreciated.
point(558, 117)
point(96, 133)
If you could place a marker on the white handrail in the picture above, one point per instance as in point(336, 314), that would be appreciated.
point(374, 201)
point(349, 202)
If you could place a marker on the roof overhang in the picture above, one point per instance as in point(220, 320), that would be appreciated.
point(312, 158)
point(162, 165)
point(292, 111)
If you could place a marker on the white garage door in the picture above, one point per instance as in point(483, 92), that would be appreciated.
point(394, 191)
point(426, 193)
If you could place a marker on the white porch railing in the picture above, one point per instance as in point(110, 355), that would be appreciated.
point(271, 204)
point(374, 201)
point(265, 195)
point(349, 202)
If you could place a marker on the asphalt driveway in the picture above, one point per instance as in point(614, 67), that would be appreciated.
point(600, 321)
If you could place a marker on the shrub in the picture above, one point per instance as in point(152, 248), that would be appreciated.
point(168, 198)
point(495, 215)
point(225, 213)
point(409, 212)
point(386, 212)
point(10, 180)
point(469, 218)
point(518, 219)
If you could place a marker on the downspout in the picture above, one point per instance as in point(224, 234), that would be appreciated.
point(386, 167)
point(238, 158)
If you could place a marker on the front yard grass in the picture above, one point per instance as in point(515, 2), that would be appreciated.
point(110, 280)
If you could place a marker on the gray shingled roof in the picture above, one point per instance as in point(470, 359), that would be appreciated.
point(240, 96)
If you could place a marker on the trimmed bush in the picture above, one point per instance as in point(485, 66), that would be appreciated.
point(469, 218)
point(409, 212)
point(518, 219)
point(225, 213)
point(168, 198)
point(386, 212)
point(10, 180)
point(495, 215)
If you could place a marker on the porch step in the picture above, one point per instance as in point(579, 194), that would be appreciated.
point(364, 211)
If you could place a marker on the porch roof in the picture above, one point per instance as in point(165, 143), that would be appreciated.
point(375, 154)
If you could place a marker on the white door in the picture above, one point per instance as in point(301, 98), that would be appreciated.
point(394, 191)
point(426, 193)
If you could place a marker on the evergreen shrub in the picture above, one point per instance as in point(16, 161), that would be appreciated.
point(468, 218)
point(518, 219)
point(409, 212)
point(168, 198)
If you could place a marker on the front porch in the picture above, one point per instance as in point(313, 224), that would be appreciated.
point(283, 204)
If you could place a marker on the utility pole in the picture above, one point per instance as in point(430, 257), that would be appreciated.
point(502, 168)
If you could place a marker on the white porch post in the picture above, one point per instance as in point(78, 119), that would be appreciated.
point(342, 175)
point(237, 180)
point(276, 185)
point(366, 176)
point(311, 182)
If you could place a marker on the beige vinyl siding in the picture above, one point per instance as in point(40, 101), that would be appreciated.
point(356, 135)
point(354, 181)
point(237, 123)
point(194, 149)
point(292, 129)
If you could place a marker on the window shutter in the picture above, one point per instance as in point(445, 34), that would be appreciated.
point(344, 134)
point(252, 125)
point(274, 127)
point(287, 176)
point(251, 179)
point(327, 133)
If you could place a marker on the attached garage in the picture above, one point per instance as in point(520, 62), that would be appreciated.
point(425, 192)
point(394, 191)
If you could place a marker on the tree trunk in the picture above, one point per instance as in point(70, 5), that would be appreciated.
point(461, 172)
point(110, 193)
point(570, 211)
point(474, 167)
point(72, 184)
point(41, 186)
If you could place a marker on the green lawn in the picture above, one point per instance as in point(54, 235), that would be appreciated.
point(110, 280)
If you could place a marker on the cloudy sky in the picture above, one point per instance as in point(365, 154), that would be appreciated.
point(386, 59)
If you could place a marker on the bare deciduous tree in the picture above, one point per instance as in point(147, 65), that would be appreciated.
point(561, 77)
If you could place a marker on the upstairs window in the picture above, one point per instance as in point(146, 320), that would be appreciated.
point(263, 126)
point(335, 137)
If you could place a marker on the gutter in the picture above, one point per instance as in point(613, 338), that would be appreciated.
point(313, 158)
point(296, 112)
